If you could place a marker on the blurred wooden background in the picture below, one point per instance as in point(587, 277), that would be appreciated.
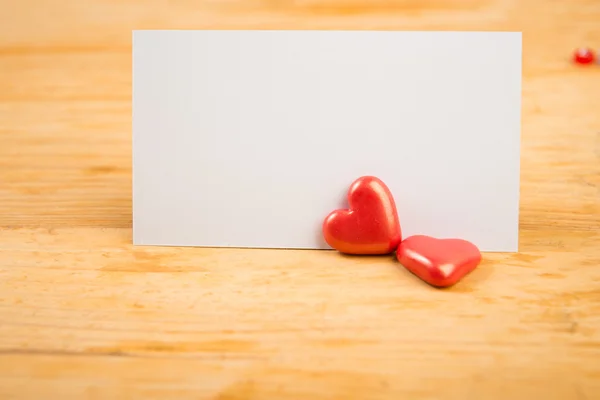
point(83, 314)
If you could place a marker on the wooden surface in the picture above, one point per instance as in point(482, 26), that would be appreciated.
point(85, 315)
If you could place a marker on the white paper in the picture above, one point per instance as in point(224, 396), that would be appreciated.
point(250, 138)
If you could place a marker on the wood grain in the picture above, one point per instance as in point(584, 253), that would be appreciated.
point(83, 314)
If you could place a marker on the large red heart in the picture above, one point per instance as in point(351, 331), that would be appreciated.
point(439, 262)
point(370, 225)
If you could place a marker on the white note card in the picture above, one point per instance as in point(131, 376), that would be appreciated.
point(250, 138)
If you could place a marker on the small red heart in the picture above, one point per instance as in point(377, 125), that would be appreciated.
point(439, 262)
point(370, 226)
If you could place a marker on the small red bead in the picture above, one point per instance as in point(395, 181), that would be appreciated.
point(584, 56)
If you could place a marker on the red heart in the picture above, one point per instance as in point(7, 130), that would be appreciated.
point(370, 226)
point(439, 262)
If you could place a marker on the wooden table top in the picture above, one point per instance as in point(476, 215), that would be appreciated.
point(84, 314)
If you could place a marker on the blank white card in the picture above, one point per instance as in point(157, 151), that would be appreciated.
point(250, 138)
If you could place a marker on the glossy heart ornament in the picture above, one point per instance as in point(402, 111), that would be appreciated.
point(439, 262)
point(370, 225)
